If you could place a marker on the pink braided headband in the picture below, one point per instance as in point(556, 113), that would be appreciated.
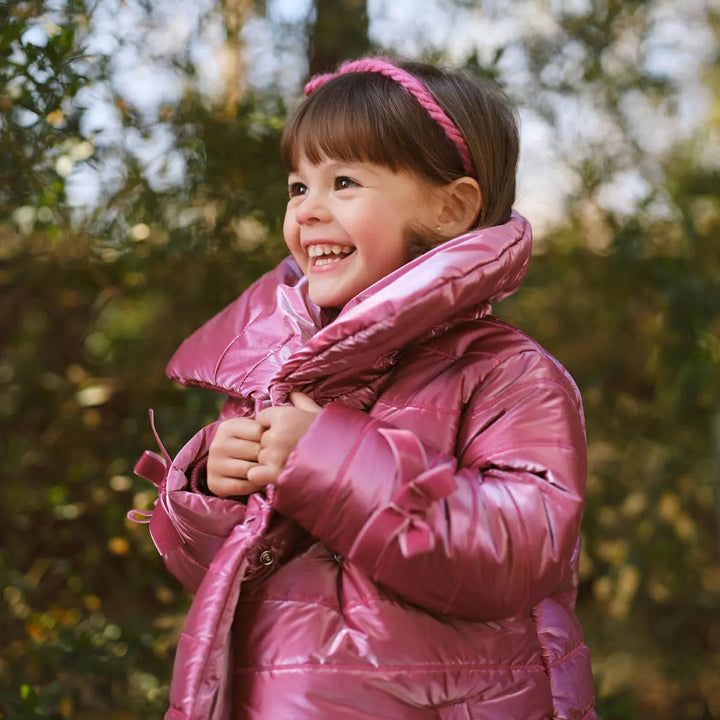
point(414, 86)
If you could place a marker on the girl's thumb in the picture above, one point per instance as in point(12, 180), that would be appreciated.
point(303, 402)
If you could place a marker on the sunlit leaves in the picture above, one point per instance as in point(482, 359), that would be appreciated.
point(187, 211)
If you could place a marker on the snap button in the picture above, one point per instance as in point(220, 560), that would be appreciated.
point(337, 557)
point(267, 557)
point(385, 362)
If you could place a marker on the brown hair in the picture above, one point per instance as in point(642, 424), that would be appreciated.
point(365, 116)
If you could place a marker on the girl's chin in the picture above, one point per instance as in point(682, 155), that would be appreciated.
point(330, 295)
point(329, 301)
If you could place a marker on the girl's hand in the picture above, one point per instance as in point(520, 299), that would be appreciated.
point(233, 451)
point(283, 428)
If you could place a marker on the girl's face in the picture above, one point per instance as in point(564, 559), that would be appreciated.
point(347, 224)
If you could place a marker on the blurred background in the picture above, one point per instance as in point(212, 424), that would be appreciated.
point(141, 191)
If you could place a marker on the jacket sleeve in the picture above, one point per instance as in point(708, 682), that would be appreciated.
point(484, 534)
point(187, 526)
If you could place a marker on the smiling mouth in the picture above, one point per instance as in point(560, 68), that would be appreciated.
point(327, 254)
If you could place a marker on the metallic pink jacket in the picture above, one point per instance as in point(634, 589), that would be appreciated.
point(418, 556)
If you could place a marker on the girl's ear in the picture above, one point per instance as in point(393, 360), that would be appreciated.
point(462, 202)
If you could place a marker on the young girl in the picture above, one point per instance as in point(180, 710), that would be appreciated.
point(384, 523)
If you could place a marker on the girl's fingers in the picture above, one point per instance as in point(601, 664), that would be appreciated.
point(247, 454)
point(231, 478)
point(243, 450)
point(227, 467)
point(271, 457)
point(233, 452)
point(221, 473)
point(304, 402)
point(262, 475)
point(231, 487)
point(241, 428)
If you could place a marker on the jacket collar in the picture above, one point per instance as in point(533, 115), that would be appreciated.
point(274, 339)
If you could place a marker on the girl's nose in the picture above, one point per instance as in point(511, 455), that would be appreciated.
point(311, 209)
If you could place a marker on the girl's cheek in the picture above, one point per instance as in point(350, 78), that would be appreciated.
point(291, 234)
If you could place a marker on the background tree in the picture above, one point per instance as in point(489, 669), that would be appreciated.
point(339, 32)
point(184, 196)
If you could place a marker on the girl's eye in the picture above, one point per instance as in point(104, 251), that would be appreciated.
point(296, 189)
point(343, 182)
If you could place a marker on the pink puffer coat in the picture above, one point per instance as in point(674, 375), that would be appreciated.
point(418, 556)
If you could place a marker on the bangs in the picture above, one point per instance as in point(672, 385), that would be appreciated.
point(354, 118)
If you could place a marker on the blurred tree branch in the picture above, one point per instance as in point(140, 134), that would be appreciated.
point(236, 14)
point(94, 300)
point(340, 32)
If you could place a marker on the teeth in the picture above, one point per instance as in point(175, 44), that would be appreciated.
point(318, 250)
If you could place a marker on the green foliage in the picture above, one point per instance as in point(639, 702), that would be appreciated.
point(35, 81)
point(91, 311)
point(93, 303)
